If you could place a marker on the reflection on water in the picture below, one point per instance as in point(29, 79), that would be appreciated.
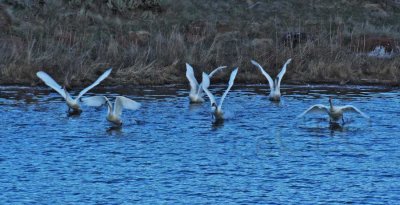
point(169, 151)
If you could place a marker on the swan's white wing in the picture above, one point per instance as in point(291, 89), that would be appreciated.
point(94, 101)
point(205, 85)
point(215, 71)
point(51, 83)
point(270, 81)
point(200, 88)
point(231, 81)
point(101, 78)
point(194, 85)
point(122, 102)
point(315, 108)
point(350, 108)
point(283, 71)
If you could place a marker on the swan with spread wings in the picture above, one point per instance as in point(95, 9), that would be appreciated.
point(274, 85)
point(196, 89)
point(335, 112)
point(114, 112)
point(73, 104)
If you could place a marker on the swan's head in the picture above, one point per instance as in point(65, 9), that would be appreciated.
point(330, 100)
point(214, 106)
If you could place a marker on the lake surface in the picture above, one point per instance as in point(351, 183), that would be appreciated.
point(169, 152)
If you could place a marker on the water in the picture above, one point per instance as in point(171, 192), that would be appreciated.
point(169, 152)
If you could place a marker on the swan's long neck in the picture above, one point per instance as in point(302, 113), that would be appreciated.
point(109, 107)
point(330, 103)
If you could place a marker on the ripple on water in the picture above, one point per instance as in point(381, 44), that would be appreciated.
point(169, 151)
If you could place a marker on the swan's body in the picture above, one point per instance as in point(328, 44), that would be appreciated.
point(217, 109)
point(72, 103)
point(196, 90)
point(335, 112)
point(274, 85)
point(114, 112)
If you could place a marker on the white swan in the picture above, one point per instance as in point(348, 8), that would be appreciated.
point(275, 86)
point(335, 112)
point(114, 113)
point(217, 109)
point(196, 95)
point(72, 103)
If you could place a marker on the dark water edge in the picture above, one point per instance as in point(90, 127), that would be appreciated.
point(254, 81)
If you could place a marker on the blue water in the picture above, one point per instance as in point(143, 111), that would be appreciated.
point(169, 152)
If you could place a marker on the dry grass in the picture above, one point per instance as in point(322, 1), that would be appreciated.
point(76, 40)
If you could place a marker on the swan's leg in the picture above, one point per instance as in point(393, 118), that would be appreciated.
point(342, 120)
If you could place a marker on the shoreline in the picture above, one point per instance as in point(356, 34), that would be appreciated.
point(221, 83)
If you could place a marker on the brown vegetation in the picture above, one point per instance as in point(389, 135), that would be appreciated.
point(149, 41)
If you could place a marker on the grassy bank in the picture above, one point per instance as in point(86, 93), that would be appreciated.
point(149, 41)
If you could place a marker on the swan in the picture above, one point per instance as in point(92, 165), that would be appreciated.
point(275, 86)
point(217, 109)
point(72, 103)
point(114, 112)
point(196, 95)
point(335, 112)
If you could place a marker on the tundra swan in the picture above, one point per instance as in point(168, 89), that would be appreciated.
point(196, 95)
point(114, 112)
point(335, 112)
point(72, 103)
point(275, 86)
point(217, 112)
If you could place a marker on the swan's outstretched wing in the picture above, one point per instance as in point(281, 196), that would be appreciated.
point(270, 81)
point(283, 71)
point(94, 101)
point(200, 88)
point(194, 85)
point(122, 102)
point(51, 83)
point(315, 108)
point(101, 78)
point(215, 71)
point(205, 84)
point(350, 108)
point(231, 81)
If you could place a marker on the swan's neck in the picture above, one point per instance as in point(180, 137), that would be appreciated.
point(331, 104)
point(109, 109)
